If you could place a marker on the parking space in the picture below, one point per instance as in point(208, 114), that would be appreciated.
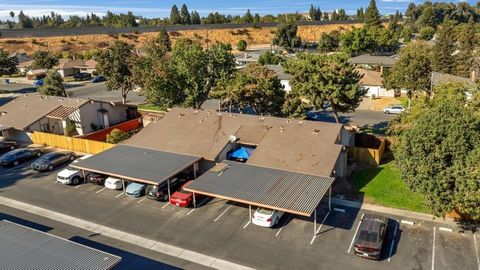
point(215, 222)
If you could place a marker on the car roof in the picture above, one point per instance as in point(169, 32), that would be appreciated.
point(135, 184)
point(372, 222)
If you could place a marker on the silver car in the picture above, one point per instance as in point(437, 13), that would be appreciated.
point(52, 160)
point(395, 109)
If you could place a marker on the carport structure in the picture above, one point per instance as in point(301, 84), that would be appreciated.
point(137, 164)
point(285, 191)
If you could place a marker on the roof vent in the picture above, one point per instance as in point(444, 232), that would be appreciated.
point(282, 129)
point(232, 138)
point(24, 105)
point(195, 112)
point(316, 131)
point(289, 120)
point(219, 114)
point(200, 121)
point(262, 118)
point(300, 123)
point(181, 115)
point(209, 113)
point(231, 114)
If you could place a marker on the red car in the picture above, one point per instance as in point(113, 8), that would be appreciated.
point(183, 198)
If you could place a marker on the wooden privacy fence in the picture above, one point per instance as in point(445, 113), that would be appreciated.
point(370, 156)
point(69, 143)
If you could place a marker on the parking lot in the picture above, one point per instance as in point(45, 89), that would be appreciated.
point(222, 229)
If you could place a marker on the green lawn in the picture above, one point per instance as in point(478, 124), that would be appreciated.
point(383, 186)
point(150, 107)
point(403, 101)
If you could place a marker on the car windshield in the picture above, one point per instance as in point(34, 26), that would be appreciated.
point(368, 236)
point(265, 211)
point(71, 168)
point(152, 188)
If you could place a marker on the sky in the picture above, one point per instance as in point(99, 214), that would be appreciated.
point(161, 8)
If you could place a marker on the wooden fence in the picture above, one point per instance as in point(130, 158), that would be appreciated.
point(370, 156)
point(69, 143)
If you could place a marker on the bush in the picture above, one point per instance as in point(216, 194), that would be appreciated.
point(117, 136)
point(269, 58)
point(70, 128)
point(242, 45)
point(427, 33)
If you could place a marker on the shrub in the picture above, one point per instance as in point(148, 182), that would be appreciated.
point(117, 136)
point(70, 128)
point(242, 45)
point(427, 33)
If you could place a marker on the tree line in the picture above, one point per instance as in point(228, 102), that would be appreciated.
point(178, 16)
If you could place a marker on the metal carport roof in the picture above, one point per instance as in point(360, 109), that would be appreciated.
point(270, 188)
point(137, 164)
point(26, 248)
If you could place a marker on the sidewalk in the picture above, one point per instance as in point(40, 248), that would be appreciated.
point(143, 242)
point(394, 211)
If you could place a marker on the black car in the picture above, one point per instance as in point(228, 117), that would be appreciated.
point(98, 79)
point(8, 145)
point(15, 157)
point(160, 192)
point(52, 160)
point(82, 76)
point(97, 179)
point(370, 236)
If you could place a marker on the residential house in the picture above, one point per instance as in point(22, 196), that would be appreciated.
point(373, 82)
point(35, 74)
point(374, 62)
point(68, 67)
point(282, 76)
point(24, 62)
point(309, 147)
point(28, 113)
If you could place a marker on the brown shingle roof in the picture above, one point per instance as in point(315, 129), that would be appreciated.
point(206, 133)
point(25, 110)
point(68, 63)
point(370, 77)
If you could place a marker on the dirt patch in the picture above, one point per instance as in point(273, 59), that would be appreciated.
point(380, 103)
point(83, 43)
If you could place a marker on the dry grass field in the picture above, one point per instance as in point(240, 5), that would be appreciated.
point(74, 44)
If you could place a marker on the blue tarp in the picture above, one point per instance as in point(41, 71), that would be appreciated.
point(241, 153)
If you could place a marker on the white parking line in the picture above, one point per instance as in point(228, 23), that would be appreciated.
point(142, 200)
point(100, 190)
point(319, 228)
point(433, 248)
point(200, 204)
point(246, 224)
point(223, 213)
point(476, 249)
point(167, 204)
point(119, 195)
point(355, 235)
point(393, 242)
point(279, 231)
point(79, 186)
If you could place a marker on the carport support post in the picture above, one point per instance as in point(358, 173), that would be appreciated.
point(123, 186)
point(250, 211)
point(315, 222)
point(194, 201)
point(330, 199)
point(84, 177)
point(168, 184)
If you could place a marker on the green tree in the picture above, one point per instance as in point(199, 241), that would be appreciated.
point(196, 17)
point(393, 25)
point(42, 59)
point(329, 42)
point(407, 33)
point(357, 41)
point(286, 36)
point(53, 85)
point(412, 71)
point(322, 78)
point(312, 12)
point(318, 14)
point(24, 21)
point(437, 150)
point(334, 16)
point(372, 15)
point(360, 14)
point(427, 33)
point(254, 86)
point(242, 45)
point(269, 58)
point(247, 17)
point(163, 39)
point(8, 65)
point(12, 14)
point(117, 136)
point(342, 15)
point(116, 65)
point(175, 17)
point(185, 15)
point(326, 16)
point(294, 106)
point(443, 59)
point(428, 19)
point(466, 47)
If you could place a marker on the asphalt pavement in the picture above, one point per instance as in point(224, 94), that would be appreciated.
point(221, 229)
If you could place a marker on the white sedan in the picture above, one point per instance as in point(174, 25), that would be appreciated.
point(266, 217)
point(394, 109)
point(113, 183)
point(71, 176)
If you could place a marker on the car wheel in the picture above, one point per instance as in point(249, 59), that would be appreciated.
point(276, 221)
point(387, 112)
point(16, 163)
point(12, 147)
point(50, 167)
point(165, 197)
point(71, 158)
point(39, 154)
point(76, 180)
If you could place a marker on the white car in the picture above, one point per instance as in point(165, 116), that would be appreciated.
point(266, 217)
point(113, 183)
point(394, 109)
point(71, 176)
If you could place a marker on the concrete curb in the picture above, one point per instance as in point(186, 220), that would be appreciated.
point(187, 255)
point(392, 211)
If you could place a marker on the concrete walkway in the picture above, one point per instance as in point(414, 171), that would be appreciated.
point(393, 211)
point(143, 242)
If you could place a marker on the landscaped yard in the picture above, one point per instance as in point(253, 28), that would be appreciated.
point(383, 186)
point(150, 107)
